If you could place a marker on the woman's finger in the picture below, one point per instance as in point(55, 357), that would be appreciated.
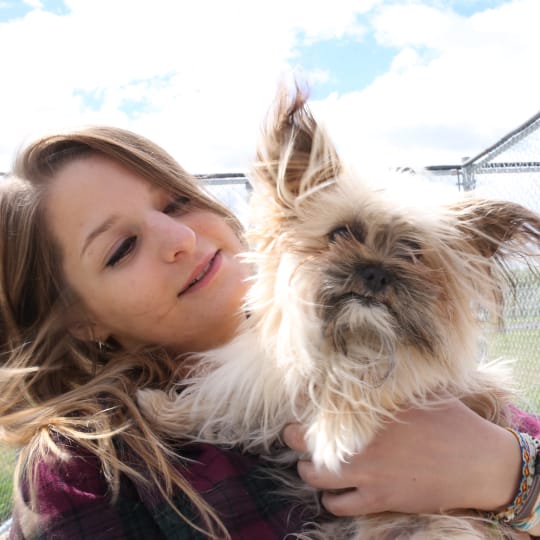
point(346, 503)
point(321, 478)
point(293, 436)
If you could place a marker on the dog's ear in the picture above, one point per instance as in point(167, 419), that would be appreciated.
point(499, 228)
point(294, 154)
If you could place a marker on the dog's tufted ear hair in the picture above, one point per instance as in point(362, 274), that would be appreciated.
point(499, 228)
point(294, 154)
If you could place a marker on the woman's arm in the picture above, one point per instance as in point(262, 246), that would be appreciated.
point(427, 461)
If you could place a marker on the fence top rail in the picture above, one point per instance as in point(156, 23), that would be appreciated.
point(478, 161)
point(221, 175)
point(530, 125)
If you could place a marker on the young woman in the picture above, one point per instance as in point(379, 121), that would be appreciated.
point(114, 262)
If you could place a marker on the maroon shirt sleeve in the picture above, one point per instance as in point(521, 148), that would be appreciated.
point(526, 422)
point(73, 501)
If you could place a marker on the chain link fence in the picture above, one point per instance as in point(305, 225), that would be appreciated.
point(506, 171)
point(510, 170)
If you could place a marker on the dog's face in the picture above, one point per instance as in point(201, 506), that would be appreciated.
point(359, 276)
point(381, 278)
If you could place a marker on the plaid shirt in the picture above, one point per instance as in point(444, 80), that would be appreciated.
point(74, 501)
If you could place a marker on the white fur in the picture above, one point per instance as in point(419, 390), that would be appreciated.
point(287, 362)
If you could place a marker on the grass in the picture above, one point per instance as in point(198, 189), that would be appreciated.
point(7, 462)
point(521, 343)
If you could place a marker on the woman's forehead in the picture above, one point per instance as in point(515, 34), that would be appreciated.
point(87, 192)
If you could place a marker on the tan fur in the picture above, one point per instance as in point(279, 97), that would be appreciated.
point(359, 307)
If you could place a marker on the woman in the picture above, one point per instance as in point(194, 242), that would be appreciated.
point(114, 262)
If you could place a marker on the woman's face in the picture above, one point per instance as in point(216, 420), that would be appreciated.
point(149, 269)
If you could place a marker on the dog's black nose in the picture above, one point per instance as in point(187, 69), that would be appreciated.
point(375, 277)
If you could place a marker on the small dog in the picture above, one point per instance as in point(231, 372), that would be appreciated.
point(360, 307)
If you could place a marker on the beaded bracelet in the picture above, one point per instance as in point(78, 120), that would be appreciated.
point(524, 511)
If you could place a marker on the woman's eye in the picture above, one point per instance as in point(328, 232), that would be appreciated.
point(176, 205)
point(122, 251)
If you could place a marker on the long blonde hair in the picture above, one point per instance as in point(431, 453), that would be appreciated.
point(54, 386)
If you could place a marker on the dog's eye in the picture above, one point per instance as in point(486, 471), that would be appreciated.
point(343, 231)
point(412, 249)
point(347, 232)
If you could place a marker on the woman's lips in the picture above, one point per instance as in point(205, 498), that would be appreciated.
point(204, 275)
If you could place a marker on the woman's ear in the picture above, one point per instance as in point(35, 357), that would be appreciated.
point(87, 331)
point(83, 331)
point(83, 328)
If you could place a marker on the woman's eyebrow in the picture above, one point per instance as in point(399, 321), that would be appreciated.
point(100, 229)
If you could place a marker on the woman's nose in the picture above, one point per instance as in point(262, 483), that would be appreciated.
point(173, 237)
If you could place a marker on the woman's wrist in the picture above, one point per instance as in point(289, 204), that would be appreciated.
point(498, 469)
point(523, 512)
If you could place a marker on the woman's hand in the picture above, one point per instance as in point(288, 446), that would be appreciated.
point(432, 460)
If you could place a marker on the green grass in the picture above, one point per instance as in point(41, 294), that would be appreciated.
point(523, 346)
point(7, 462)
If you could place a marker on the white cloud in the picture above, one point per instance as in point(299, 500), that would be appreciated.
point(221, 60)
point(36, 4)
point(206, 72)
point(416, 24)
point(455, 86)
point(405, 60)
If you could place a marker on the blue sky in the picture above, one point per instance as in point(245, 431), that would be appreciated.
point(396, 82)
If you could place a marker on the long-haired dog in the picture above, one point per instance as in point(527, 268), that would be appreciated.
point(360, 306)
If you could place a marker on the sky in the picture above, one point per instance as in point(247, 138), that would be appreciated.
point(400, 83)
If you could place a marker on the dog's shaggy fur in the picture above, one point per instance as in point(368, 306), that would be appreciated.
point(360, 307)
